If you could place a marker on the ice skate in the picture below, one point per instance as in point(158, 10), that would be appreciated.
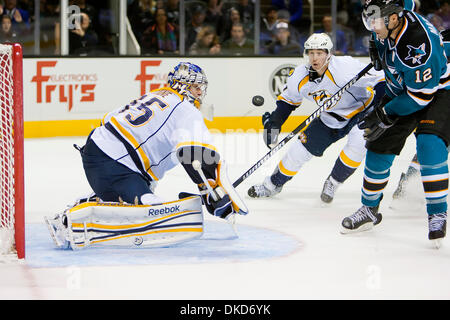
point(265, 189)
point(57, 226)
point(329, 188)
point(363, 219)
point(404, 180)
point(437, 225)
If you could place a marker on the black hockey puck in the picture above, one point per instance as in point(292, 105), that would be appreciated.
point(258, 101)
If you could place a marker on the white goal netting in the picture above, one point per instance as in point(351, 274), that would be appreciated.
point(6, 150)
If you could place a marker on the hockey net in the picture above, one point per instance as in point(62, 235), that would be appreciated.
point(12, 233)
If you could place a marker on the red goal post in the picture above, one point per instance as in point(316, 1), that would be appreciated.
point(12, 201)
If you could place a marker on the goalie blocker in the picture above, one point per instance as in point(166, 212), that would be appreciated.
point(220, 198)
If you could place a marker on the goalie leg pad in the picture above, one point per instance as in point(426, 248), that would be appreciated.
point(116, 224)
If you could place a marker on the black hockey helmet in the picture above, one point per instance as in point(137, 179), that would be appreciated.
point(375, 10)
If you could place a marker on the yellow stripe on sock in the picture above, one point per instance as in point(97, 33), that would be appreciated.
point(347, 161)
point(285, 171)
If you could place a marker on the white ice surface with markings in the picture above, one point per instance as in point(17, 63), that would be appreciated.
point(289, 246)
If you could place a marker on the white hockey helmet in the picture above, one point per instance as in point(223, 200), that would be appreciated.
point(183, 76)
point(318, 41)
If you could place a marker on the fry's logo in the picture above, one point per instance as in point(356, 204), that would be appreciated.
point(157, 79)
point(68, 87)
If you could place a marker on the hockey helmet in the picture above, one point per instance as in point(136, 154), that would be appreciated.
point(183, 76)
point(379, 11)
point(318, 41)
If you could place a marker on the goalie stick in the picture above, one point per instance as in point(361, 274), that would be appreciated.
point(302, 125)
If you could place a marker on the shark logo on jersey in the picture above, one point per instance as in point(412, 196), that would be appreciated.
point(321, 96)
point(416, 54)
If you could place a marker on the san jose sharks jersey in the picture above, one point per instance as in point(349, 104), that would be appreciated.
point(145, 134)
point(340, 70)
point(415, 65)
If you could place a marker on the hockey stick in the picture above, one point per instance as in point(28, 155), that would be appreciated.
point(333, 99)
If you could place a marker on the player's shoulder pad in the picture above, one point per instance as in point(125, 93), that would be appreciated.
point(299, 74)
point(340, 65)
point(415, 46)
point(300, 71)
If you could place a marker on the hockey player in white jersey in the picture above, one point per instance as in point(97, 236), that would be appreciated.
point(317, 81)
point(132, 150)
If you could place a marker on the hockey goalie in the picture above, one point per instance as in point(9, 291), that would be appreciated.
point(125, 157)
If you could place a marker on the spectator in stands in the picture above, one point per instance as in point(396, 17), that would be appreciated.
point(354, 10)
point(49, 16)
point(283, 43)
point(300, 37)
point(87, 8)
point(18, 15)
point(20, 19)
point(246, 11)
point(214, 13)
point(173, 12)
point(161, 37)
point(7, 33)
point(436, 21)
point(417, 6)
point(238, 44)
point(207, 42)
point(341, 45)
point(342, 20)
point(231, 18)
point(430, 6)
point(295, 9)
point(444, 13)
point(195, 24)
point(141, 15)
point(267, 26)
point(82, 38)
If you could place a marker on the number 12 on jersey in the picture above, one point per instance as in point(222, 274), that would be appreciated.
point(426, 75)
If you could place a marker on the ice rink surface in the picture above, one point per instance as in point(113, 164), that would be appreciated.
point(289, 247)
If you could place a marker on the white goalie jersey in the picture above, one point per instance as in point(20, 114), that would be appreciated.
point(151, 129)
point(340, 70)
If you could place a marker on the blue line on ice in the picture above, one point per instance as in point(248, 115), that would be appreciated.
point(218, 244)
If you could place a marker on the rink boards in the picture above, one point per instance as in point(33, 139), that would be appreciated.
point(69, 96)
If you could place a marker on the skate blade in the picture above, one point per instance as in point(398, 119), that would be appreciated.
point(231, 221)
point(52, 230)
point(364, 227)
point(323, 204)
point(437, 243)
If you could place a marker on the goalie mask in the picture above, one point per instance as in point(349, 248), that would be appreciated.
point(189, 80)
point(376, 13)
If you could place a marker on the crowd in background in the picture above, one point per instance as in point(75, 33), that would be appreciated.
point(212, 27)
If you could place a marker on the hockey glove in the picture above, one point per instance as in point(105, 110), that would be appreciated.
point(271, 130)
point(376, 122)
point(221, 207)
point(374, 56)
